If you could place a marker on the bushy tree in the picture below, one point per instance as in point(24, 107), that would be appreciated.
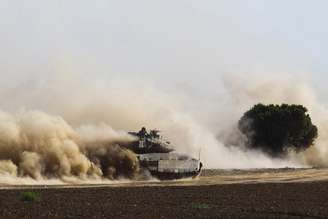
point(277, 128)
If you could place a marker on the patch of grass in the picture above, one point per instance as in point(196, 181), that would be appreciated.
point(30, 196)
point(201, 206)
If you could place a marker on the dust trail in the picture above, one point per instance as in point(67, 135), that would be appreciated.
point(37, 145)
point(82, 141)
point(129, 105)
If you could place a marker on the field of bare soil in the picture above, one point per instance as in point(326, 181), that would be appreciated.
point(265, 200)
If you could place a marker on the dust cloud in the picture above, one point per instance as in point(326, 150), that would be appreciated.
point(40, 146)
point(66, 127)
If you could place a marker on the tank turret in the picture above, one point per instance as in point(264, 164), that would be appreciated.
point(150, 142)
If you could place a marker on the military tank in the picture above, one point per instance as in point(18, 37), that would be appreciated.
point(158, 157)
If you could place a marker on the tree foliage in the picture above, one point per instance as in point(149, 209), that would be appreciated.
point(277, 128)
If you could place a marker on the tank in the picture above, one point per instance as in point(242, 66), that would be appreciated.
point(157, 156)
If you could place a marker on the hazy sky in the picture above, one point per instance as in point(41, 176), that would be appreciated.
point(173, 43)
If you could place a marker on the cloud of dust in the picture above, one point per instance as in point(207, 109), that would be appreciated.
point(83, 140)
point(38, 145)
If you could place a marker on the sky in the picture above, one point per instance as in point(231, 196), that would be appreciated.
point(176, 45)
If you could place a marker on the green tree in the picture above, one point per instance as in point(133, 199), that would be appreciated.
point(277, 128)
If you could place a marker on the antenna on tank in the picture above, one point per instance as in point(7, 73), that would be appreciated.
point(199, 153)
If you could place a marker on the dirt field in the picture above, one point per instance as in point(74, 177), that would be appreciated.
point(267, 200)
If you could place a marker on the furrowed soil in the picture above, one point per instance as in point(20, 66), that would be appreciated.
point(256, 200)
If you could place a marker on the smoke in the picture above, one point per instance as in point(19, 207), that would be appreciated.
point(83, 142)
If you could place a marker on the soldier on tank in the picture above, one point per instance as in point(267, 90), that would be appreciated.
point(143, 133)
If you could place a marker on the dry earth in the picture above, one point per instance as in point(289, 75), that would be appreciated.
point(242, 199)
point(288, 200)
